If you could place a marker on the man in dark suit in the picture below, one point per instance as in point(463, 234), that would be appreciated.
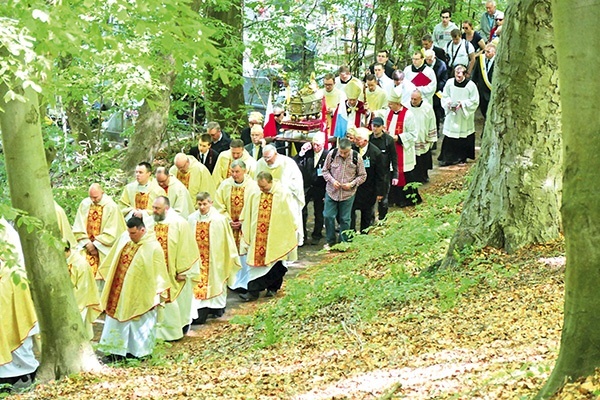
point(310, 160)
point(257, 137)
point(482, 76)
point(440, 54)
point(441, 73)
point(254, 118)
point(386, 144)
point(204, 152)
point(220, 140)
point(374, 187)
point(383, 57)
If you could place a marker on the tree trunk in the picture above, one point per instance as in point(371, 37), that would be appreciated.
point(400, 30)
point(580, 342)
point(80, 125)
point(381, 26)
point(64, 347)
point(224, 101)
point(514, 197)
point(151, 124)
point(420, 23)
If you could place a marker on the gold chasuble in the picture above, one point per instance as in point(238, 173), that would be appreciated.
point(237, 204)
point(17, 315)
point(94, 222)
point(125, 259)
point(136, 277)
point(203, 241)
point(197, 178)
point(219, 260)
point(84, 284)
point(162, 235)
point(230, 200)
point(229, 169)
point(180, 254)
point(64, 225)
point(268, 227)
point(139, 197)
point(141, 200)
point(184, 178)
point(101, 224)
point(222, 169)
point(86, 292)
point(262, 228)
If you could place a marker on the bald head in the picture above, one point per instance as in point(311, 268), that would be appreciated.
point(96, 193)
point(416, 98)
point(181, 162)
point(269, 154)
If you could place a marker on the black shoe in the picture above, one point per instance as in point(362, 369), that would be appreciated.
point(271, 293)
point(112, 358)
point(246, 297)
point(217, 312)
point(202, 316)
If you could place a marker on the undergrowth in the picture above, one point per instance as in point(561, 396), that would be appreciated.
point(380, 272)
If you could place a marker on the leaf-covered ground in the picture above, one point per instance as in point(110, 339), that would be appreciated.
point(365, 324)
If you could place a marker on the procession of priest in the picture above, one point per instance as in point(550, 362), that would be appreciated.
point(228, 215)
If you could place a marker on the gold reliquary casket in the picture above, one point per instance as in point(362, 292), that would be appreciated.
point(305, 115)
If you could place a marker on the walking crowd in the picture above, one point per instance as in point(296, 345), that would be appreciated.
point(231, 213)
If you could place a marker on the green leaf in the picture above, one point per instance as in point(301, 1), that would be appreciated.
point(16, 278)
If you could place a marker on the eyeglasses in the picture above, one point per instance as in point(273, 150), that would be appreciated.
point(466, 27)
point(278, 115)
point(499, 19)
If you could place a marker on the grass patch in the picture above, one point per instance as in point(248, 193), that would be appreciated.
point(380, 272)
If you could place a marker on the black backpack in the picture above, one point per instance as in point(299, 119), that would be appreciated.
point(354, 155)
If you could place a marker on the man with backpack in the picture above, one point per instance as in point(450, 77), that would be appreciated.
point(460, 52)
point(343, 171)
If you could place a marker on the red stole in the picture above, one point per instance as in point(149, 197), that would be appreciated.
point(399, 149)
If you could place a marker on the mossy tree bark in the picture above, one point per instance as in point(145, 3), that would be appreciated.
point(382, 24)
point(64, 347)
point(224, 91)
point(80, 125)
point(514, 197)
point(580, 342)
point(151, 124)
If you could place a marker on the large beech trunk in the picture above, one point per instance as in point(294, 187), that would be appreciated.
point(514, 198)
point(580, 342)
point(64, 347)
